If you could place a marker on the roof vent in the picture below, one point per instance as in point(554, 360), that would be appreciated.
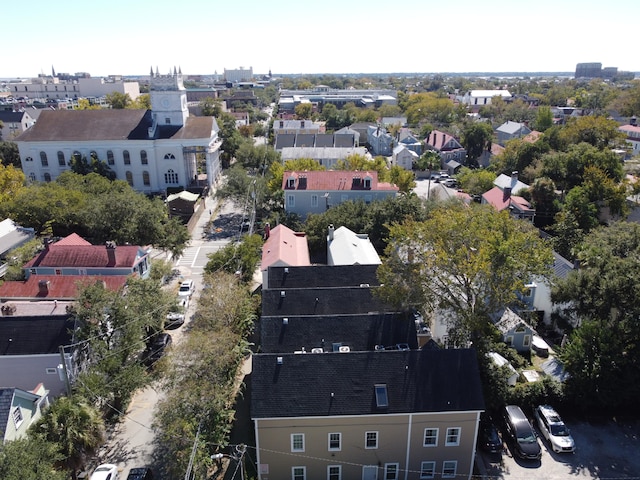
point(286, 269)
point(317, 350)
point(285, 321)
point(283, 293)
point(344, 349)
point(279, 361)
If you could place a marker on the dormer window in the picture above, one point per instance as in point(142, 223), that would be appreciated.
point(291, 182)
point(367, 182)
point(382, 399)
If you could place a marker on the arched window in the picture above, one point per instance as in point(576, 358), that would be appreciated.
point(110, 159)
point(129, 176)
point(32, 177)
point(93, 155)
point(143, 157)
point(61, 160)
point(77, 155)
point(126, 157)
point(145, 178)
point(170, 177)
point(43, 159)
point(47, 177)
point(169, 156)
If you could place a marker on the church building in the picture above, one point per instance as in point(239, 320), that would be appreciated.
point(152, 150)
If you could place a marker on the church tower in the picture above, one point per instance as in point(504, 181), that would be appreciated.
point(168, 98)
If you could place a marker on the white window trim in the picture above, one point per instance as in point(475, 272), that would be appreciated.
point(339, 442)
point(455, 468)
point(339, 467)
point(304, 472)
point(16, 414)
point(433, 469)
point(291, 200)
point(424, 437)
point(447, 443)
point(314, 200)
point(293, 435)
point(366, 446)
point(397, 470)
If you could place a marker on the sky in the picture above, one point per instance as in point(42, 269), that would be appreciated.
point(128, 37)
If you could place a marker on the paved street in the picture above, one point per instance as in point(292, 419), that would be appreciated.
point(130, 443)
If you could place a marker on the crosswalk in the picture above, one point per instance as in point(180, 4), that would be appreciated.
point(196, 257)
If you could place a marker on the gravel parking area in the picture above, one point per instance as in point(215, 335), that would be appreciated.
point(604, 450)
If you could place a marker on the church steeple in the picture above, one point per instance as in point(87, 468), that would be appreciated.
point(53, 72)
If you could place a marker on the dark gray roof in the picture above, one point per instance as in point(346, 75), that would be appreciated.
point(285, 140)
point(305, 140)
point(322, 276)
point(345, 140)
point(6, 398)
point(358, 332)
point(11, 117)
point(324, 140)
point(34, 335)
point(561, 266)
point(321, 301)
point(331, 384)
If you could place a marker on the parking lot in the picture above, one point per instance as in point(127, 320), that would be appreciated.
point(604, 450)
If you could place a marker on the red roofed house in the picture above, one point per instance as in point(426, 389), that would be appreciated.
point(632, 131)
point(283, 248)
point(447, 147)
point(502, 200)
point(314, 192)
point(57, 271)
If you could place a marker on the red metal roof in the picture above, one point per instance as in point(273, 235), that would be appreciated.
point(84, 256)
point(59, 286)
point(335, 180)
point(285, 247)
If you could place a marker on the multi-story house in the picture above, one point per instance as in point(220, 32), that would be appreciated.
point(315, 191)
point(397, 415)
point(632, 131)
point(510, 130)
point(152, 150)
point(447, 147)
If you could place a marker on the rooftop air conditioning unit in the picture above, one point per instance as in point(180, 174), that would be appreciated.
point(317, 350)
point(344, 349)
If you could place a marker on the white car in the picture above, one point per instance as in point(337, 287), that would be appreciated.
point(106, 471)
point(186, 289)
point(554, 429)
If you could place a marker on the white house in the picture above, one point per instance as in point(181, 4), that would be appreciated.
point(483, 97)
point(632, 131)
point(403, 157)
point(510, 130)
point(345, 247)
point(151, 149)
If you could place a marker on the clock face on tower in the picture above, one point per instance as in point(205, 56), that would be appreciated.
point(164, 101)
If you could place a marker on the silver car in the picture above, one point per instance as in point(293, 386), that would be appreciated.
point(554, 430)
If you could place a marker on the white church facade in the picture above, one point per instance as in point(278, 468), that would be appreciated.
point(152, 150)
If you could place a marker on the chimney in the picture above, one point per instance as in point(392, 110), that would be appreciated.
point(111, 253)
point(267, 231)
point(633, 121)
point(506, 194)
point(514, 175)
point(43, 287)
point(47, 241)
point(331, 230)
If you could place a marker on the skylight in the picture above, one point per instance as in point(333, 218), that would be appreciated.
point(382, 399)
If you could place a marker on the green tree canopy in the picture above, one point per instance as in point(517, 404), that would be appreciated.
point(9, 154)
point(475, 182)
point(11, 182)
point(600, 132)
point(466, 261)
point(30, 459)
point(118, 100)
point(476, 139)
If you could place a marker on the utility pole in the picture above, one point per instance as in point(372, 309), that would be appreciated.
point(65, 371)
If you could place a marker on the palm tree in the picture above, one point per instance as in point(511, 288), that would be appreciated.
point(74, 426)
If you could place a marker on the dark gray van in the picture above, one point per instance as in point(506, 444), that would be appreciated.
point(520, 433)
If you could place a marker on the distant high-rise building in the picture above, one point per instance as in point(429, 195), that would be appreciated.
point(588, 70)
point(238, 75)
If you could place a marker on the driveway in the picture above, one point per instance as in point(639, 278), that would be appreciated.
point(604, 450)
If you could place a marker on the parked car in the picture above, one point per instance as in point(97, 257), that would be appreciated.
point(554, 430)
point(450, 182)
point(140, 473)
point(520, 434)
point(488, 437)
point(186, 289)
point(174, 320)
point(156, 348)
point(106, 471)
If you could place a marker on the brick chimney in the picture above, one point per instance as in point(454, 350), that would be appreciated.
point(43, 287)
point(267, 230)
point(111, 253)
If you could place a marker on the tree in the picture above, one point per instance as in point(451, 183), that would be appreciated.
point(11, 182)
point(211, 107)
point(143, 102)
point(544, 118)
point(476, 139)
point(363, 164)
point(84, 104)
point(429, 160)
point(118, 100)
point(81, 165)
point(544, 201)
point(237, 258)
point(277, 169)
point(30, 459)
point(602, 355)
point(475, 182)
point(405, 180)
point(467, 262)
point(304, 110)
point(74, 427)
point(600, 132)
point(9, 154)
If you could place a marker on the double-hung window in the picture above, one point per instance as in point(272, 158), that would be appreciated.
point(297, 442)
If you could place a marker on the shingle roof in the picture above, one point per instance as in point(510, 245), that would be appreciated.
point(59, 286)
point(19, 335)
point(329, 384)
point(321, 301)
point(359, 332)
point(6, 400)
point(322, 276)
